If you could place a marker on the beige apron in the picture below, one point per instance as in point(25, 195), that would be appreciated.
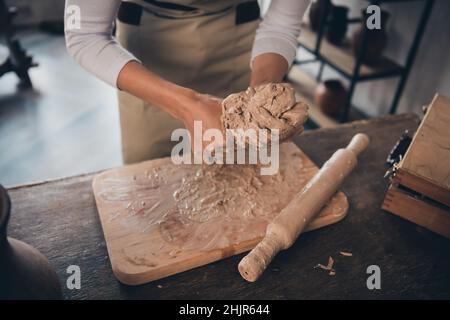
point(204, 50)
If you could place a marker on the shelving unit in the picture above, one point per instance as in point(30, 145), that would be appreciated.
point(305, 92)
point(305, 86)
point(342, 60)
point(18, 60)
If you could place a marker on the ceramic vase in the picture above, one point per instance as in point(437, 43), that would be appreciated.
point(337, 25)
point(330, 97)
point(316, 12)
point(24, 272)
point(376, 40)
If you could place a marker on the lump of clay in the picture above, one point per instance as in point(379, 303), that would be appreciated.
point(270, 106)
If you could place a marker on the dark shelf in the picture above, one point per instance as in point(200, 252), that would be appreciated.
point(353, 68)
point(343, 61)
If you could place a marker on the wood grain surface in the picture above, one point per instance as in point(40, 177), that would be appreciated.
point(428, 156)
point(424, 213)
point(144, 232)
point(420, 188)
point(61, 220)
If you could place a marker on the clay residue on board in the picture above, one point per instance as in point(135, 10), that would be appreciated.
point(204, 206)
point(232, 191)
point(270, 106)
point(139, 261)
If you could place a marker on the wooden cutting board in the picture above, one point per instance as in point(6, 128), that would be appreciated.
point(159, 218)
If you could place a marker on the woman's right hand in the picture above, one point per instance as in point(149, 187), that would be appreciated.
point(182, 103)
point(204, 108)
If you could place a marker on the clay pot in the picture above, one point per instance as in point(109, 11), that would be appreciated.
point(376, 40)
point(24, 272)
point(316, 12)
point(331, 97)
point(337, 24)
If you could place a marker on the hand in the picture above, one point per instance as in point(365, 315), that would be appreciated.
point(182, 103)
point(204, 108)
point(267, 68)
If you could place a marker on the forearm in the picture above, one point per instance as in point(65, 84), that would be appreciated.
point(142, 83)
point(268, 67)
point(275, 43)
point(93, 47)
point(91, 42)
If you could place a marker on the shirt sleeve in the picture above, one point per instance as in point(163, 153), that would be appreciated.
point(280, 28)
point(88, 32)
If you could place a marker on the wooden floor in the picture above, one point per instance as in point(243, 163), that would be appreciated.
point(68, 125)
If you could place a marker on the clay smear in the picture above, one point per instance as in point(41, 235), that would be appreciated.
point(191, 205)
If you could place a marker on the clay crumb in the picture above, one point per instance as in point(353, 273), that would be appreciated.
point(330, 263)
point(329, 266)
point(346, 254)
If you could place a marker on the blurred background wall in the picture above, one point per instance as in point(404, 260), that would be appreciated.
point(430, 73)
point(431, 70)
point(37, 11)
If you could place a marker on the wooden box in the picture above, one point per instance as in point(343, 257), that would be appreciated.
point(420, 188)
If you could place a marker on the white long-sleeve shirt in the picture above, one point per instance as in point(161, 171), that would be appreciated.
point(92, 45)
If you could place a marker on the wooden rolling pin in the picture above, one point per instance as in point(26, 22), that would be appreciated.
point(282, 232)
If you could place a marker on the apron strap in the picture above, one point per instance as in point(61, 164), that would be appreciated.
point(247, 12)
point(131, 12)
point(170, 6)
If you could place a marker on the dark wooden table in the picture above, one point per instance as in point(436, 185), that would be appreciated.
point(60, 219)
